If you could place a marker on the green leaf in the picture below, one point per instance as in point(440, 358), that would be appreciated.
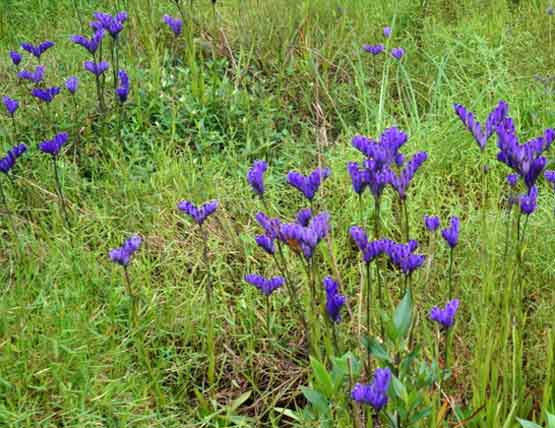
point(322, 378)
point(550, 420)
point(288, 412)
point(400, 390)
point(340, 369)
point(235, 404)
point(319, 402)
point(527, 424)
point(376, 349)
point(403, 315)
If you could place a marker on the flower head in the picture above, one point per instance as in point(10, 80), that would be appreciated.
point(112, 24)
point(445, 317)
point(480, 133)
point(8, 161)
point(72, 83)
point(451, 233)
point(175, 24)
point(266, 243)
point(122, 91)
point(512, 179)
point(529, 201)
point(15, 57)
point(304, 216)
point(550, 176)
point(369, 249)
point(91, 44)
point(54, 145)
point(308, 185)
point(10, 104)
point(255, 176)
point(33, 76)
point(305, 238)
point(122, 255)
point(374, 49)
point(38, 50)
point(334, 300)
point(402, 255)
point(46, 95)
point(96, 68)
point(198, 214)
point(375, 393)
point(359, 177)
point(431, 222)
point(397, 53)
point(271, 226)
point(401, 182)
point(387, 32)
point(266, 285)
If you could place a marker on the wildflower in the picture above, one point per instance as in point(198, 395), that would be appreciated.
point(38, 50)
point(303, 217)
point(550, 177)
point(15, 57)
point(266, 243)
point(271, 226)
point(386, 151)
point(11, 105)
point(387, 32)
point(255, 176)
point(375, 393)
point(481, 136)
point(8, 161)
point(175, 24)
point(198, 214)
point(122, 255)
point(308, 185)
point(91, 44)
point(33, 76)
point(305, 239)
point(369, 249)
point(431, 223)
point(445, 317)
point(72, 83)
point(451, 233)
point(96, 68)
point(512, 179)
point(334, 300)
point(359, 177)
point(374, 49)
point(46, 94)
point(112, 24)
point(122, 91)
point(529, 201)
point(54, 145)
point(401, 182)
point(397, 53)
point(266, 286)
point(402, 255)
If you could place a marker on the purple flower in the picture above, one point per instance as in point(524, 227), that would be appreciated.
point(266, 285)
point(72, 83)
point(175, 24)
point(402, 255)
point(431, 222)
point(266, 243)
point(198, 214)
point(385, 152)
point(481, 135)
point(451, 233)
point(91, 44)
point(122, 91)
point(359, 177)
point(397, 53)
point(33, 76)
point(122, 255)
point(512, 179)
point(304, 216)
point(112, 24)
point(334, 300)
point(271, 226)
point(445, 317)
point(374, 49)
point(387, 32)
point(401, 182)
point(8, 161)
point(305, 238)
point(38, 50)
point(550, 177)
point(375, 393)
point(369, 249)
point(308, 185)
point(15, 57)
point(10, 104)
point(46, 94)
point(529, 201)
point(255, 176)
point(96, 68)
point(54, 145)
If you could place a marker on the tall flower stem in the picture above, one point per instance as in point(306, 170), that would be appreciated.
point(101, 106)
point(377, 203)
point(406, 219)
point(450, 272)
point(368, 310)
point(336, 347)
point(268, 313)
point(60, 192)
point(210, 326)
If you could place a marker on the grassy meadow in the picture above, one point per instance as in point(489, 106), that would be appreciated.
point(287, 82)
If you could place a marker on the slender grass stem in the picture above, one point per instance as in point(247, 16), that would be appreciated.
point(60, 192)
point(268, 313)
point(450, 273)
point(8, 211)
point(210, 326)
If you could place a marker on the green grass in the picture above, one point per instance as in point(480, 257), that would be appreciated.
point(287, 82)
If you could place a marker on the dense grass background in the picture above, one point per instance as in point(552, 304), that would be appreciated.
point(285, 81)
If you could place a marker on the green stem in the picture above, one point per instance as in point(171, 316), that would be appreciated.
point(210, 326)
point(450, 272)
point(268, 312)
point(406, 215)
point(8, 211)
point(60, 192)
point(368, 312)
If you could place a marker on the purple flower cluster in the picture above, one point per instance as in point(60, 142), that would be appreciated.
point(451, 233)
point(445, 317)
point(308, 185)
point(33, 76)
point(377, 49)
point(198, 214)
point(96, 68)
point(334, 300)
point(122, 91)
point(10, 104)
point(255, 176)
point(401, 182)
point(91, 44)
point(37, 50)
point(72, 83)
point(266, 285)
point(369, 249)
point(112, 24)
point(375, 393)
point(480, 133)
point(431, 223)
point(15, 57)
point(122, 255)
point(46, 95)
point(175, 24)
point(53, 146)
point(8, 161)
